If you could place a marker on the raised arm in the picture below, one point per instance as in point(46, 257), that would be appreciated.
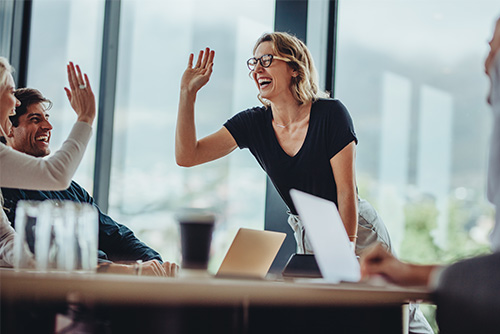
point(19, 170)
point(344, 173)
point(189, 151)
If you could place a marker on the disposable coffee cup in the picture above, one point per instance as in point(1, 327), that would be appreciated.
point(196, 228)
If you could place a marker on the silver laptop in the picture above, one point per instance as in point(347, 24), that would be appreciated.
point(328, 237)
point(251, 254)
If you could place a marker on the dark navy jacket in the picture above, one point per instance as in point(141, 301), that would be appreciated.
point(116, 242)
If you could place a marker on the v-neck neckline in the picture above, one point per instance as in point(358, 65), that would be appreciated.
point(276, 137)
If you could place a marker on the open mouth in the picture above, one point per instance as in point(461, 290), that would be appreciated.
point(264, 82)
point(44, 139)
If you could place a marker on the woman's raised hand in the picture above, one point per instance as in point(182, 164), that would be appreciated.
point(196, 77)
point(80, 94)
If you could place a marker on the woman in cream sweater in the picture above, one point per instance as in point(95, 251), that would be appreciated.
point(19, 170)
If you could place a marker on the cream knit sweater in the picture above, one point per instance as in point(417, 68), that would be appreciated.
point(19, 170)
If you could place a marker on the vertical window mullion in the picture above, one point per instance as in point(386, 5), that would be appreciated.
point(331, 47)
point(104, 133)
point(20, 40)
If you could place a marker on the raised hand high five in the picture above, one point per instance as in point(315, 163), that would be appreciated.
point(196, 77)
point(80, 94)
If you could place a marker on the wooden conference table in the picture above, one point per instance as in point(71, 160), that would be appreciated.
point(139, 304)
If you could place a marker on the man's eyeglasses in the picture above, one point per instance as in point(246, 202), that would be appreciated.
point(265, 61)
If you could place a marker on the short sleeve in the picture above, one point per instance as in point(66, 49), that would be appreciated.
point(340, 128)
point(242, 125)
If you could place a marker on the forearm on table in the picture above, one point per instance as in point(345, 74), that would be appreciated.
point(420, 274)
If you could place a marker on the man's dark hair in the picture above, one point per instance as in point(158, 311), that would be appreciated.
point(28, 97)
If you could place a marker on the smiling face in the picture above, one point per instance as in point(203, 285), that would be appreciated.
point(274, 81)
point(32, 134)
point(8, 103)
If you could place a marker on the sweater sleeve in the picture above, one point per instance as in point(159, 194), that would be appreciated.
point(19, 170)
point(7, 234)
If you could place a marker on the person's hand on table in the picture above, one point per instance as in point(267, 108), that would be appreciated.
point(155, 268)
point(378, 261)
point(148, 268)
point(171, 269)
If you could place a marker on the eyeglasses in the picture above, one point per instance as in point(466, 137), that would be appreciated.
point(265, 61)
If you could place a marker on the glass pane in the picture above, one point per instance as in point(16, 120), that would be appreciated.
point(6, 16)
point(411, 74)
point(147, 186)
point(63, 31)
point(317, 35)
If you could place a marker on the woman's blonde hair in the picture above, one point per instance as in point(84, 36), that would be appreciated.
point(304, 86)
point(5, 70)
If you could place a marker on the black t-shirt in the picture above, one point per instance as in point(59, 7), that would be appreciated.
point(330, 130)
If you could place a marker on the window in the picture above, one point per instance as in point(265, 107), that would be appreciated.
point(411, 74)
point(63, 31)
point(317, 35)
point(6, 14)
point(156, 38)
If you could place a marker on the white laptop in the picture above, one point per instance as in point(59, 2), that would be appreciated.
point(251, 254)
point(328, 237)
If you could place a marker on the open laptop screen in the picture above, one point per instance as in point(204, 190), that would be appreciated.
point(328, 237)
point(251, 253)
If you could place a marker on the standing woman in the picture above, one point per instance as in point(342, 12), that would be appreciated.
point(300, 138)
point(19, 170)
